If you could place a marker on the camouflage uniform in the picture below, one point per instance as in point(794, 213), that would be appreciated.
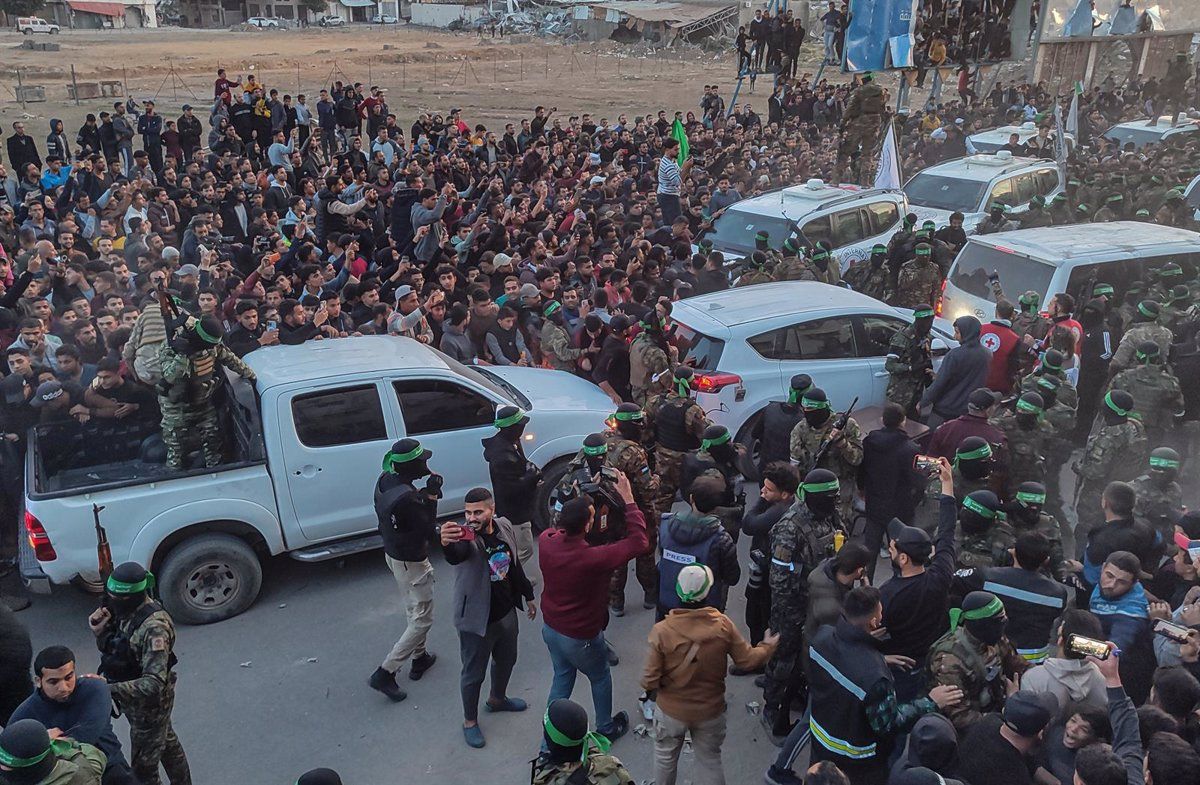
point(602, 769)
point(702, 464)
point(1158, 396)
point(861, 127)
point(868, 279)
point(646, 360)
point(753, 275)
point(1031, 323)
point(147, 700)
point(920, 281)
point(957, 659)
point(909, 362)
point(842, 458)
point(557, 350)
point(1060, 420)
point(799, 542)
point(1067, 393)
point(988, 548)
point(1049, 527)
point(669, 462)
point(1157, 505)
point(187, 406)
point(1112, 453)
point(1174, 318)
point(1126, 354)
point(1024, 454)
point(797, 268)
point(630, 458)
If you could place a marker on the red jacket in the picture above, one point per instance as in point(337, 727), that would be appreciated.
point(999, 339)
point(575, 576)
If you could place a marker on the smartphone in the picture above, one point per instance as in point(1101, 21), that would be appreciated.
point(468, 533)
point(927, 463)
point(1089, 646)
point(1171, 631)
point(272, 325)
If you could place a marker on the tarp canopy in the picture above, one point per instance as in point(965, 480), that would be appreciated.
point(92, 7)
point(357, 3)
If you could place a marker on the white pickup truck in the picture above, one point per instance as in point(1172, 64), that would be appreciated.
point(304, 449)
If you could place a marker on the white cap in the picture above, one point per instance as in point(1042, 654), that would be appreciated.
point(694, 583)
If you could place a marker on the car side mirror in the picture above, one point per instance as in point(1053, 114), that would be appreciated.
point(938, 346)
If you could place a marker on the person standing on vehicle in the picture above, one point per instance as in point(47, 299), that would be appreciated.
point(489, 588)
point(778, 421)
point(406, 523)
point(514, 480)
point(910, 360)
point(136, 638)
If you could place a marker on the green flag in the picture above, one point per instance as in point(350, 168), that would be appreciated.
point(678, 133)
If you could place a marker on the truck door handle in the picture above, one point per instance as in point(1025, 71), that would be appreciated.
point(881, 374)
point(307, 470)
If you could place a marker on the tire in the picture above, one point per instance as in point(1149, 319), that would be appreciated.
point(209, 578)
point(53, 31)
point(26, 32)
point(543, 511)
point(748, 436)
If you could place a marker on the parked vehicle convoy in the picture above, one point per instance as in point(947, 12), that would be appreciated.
point(307, 441)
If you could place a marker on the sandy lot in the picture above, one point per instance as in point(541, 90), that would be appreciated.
point(422, 69)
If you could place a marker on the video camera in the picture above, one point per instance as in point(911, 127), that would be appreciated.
point(608, 523)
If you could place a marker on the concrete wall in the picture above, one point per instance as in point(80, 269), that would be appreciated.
point(442, 14)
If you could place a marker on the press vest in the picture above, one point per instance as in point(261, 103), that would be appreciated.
point(677, 555)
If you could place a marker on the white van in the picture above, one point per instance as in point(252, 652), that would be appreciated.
point(1141, 133)
point(847, 218)
point(1060, 259)
point(29, 25)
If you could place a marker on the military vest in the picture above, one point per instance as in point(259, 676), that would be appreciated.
point(670, 425)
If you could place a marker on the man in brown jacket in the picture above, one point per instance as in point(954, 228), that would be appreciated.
point(689, 652)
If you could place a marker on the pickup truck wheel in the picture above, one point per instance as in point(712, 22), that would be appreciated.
point(543, 511)
point(210, 578)
point(750, 436)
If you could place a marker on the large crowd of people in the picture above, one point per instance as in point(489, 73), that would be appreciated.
point(1021, 636)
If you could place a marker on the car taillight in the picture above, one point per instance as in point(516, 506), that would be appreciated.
point(937, 309)
point(714, 382)
point(38, 539)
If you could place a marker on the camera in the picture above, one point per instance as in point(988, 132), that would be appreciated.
point(608, 522)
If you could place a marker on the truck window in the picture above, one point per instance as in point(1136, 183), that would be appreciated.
point(436, 405)
point(347, 415)
point(1047, 181)
point(822, 339)
point(847, 228)
point(817, 230)
point(883, 216)
point(1018, 274)
point(1003, 193)
point(1025, 187)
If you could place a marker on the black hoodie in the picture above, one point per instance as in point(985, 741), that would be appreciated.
point(963, 370)
point(514, 478)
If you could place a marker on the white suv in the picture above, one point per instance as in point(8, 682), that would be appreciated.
point(970, 185)
point(847, 218)
point(1142, 133)
point(747, 343)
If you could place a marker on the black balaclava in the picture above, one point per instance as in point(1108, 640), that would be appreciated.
point(718, 443)
point(1147, 311)
point(1028, 502)
point(1117, 406)
point(25, 748)
point(510, 422)
point(1052, 362)
point(762, 240)
point(982, 613)
point(1164, 466)
point(974, 458)
point(1030, 408)
point(319, 777)
point(595, 448)
point(1147, 352)
point(820, 257)
point(820, 492)
point(816, 407)
point(630, 421)
point(1092, 315)
point(922, 319)
point(553, 312)
point(879, 255)
point(203, 333)
point(408, 460)
point(565, 732)
point(979, 511)
point(127, 587)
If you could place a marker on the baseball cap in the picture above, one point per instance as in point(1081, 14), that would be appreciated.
point(403, 291)
point(694, 583)
point(501, 258)
point(909, 539)
point(187, 107)
point(981, 399)
point(1028, 713)
point(171, 252)
point(46, 392)
point(188, 269)
point(528, 290)
point(597, 180)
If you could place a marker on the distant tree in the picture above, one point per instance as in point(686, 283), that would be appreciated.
point(314, 6)
point(15, 8)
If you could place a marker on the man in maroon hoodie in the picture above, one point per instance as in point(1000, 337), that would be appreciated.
point(574, 612)
point(947, 437)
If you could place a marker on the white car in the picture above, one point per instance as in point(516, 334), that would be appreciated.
point(331, 21)
point(991, 140)
point(384, 19)
point(1141, 132)
point(847, 218)
point(264, 21)
point(972, 184)
point(1192, 196)
point(747, 343)
point(29, 25)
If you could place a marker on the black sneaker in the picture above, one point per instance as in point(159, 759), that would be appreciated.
point(649, 601)
point(619, 727)
point(421, 664)
point(613, 658)
point(385, 682)
point(778, 776)
point(617, 610)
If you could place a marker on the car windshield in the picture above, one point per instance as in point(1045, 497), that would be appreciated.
point(489, 380)
point(944, 193)
point(1018, 274)
point(696, 349)
point(1139, 135)
point(735, 230)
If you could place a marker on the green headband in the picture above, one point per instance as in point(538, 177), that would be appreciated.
point(1170, 269)
point(762, 236)
point(1030, 408)
point(551, 307)
point(993, 608)
point(924, 313)
point(1025, 497)
point(682, 386)
point(1163, 463)
point(393, 458)
point(974, 455)
point(1046, 363)
point(790, 244)
point(819, 487)
point(809, 403)
point(13, 762)
point(923, 252)
point(1045, 383)
point(1108, 401)
point(717, 442)
point(1102, 288)
point(115, 586)
point(629, 416)
point(690, 596)
point(600, 449)
point(820, 253)
point(592, 739)
point(795, 395)
point(879, 248)
point(978, 508)
point(511, 419)
point(208, 337)
point(1144, 311)
point(1143, 356)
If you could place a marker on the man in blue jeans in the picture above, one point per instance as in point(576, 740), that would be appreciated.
point(574, 612)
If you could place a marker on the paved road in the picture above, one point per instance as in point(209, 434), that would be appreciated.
point(282, 714)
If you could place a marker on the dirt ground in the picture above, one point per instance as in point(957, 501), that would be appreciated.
point(493, 81)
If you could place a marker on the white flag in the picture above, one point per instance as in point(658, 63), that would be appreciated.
point(887, 175)
point(1060, 140)
point(1073, 114)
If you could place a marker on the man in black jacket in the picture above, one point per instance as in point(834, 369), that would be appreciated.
point(514, 481)
point(406, 523)
point(780, 479)
point(890, 483)
point(294, 327)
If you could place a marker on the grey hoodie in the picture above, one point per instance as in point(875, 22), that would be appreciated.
point(1070, 681)
point(963, 370)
